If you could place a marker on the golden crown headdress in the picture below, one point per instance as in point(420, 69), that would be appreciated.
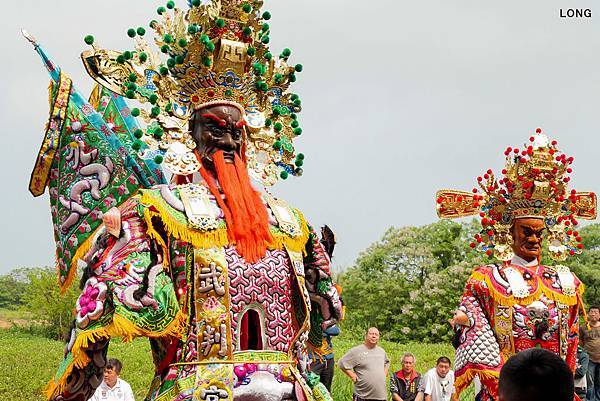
point(534, 184)
point(216, 52)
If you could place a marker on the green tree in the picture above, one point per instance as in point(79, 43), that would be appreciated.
point(43, 299)
point(587, 264)
point(12, 288)
point(406, 268)
point(409, 283)
point(424, 317)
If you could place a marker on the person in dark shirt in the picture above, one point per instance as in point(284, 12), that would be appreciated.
point(581, 372)
point(404, 384)
point(325, 365)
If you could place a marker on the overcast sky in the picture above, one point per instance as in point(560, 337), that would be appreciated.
point(400, 98)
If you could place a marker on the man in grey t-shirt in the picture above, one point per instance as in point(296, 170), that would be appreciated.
point(367, 366)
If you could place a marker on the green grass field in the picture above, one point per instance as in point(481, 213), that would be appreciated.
point(27, 362)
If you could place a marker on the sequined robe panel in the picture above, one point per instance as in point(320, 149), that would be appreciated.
point(501, 324)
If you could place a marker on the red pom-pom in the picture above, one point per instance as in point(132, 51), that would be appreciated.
point(472, 245)
point(554, 143)
point(580, 246)
point(531, 139)
point(488, 252)
point(538, 130)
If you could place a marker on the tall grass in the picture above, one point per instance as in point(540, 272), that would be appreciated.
point(28, 361)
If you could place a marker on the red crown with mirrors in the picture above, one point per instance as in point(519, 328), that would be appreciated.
point(534, 184)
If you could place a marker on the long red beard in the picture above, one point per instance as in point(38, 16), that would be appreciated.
point(245, 213)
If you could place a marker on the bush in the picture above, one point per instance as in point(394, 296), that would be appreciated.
point(48, 307)
point(409, 283)
point(12, 288)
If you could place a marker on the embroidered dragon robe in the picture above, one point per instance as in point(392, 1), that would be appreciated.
point(512, 308)
point(220, 328)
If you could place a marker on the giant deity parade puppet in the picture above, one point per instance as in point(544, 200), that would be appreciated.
point(230, 285)
point(518, 303)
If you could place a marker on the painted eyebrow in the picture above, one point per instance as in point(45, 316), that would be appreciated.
point(534, 230)
point(211, 116)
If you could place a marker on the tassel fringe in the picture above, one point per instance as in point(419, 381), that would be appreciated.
point(464, 380)
point(79, 254)
point(119, 327)
point(213, 238)
point(510, 300)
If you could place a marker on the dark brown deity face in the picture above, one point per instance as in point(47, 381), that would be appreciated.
point(218, 127)
point(528, 234)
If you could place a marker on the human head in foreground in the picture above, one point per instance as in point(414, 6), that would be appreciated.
point(536, 375)
point(372, 337)
point(594, 314)
point(408, 363)
point(112, 371)
point(442, 366)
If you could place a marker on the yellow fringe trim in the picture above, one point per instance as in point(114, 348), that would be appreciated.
point(119, 327)
point(94, 99)
point(510, 300)
point(79, 254)
point(463, 381)
point(213, 238)
point(50, 90)
point(152, 233)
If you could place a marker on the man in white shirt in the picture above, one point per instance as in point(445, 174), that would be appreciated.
point(439, 382)
point(113, 388)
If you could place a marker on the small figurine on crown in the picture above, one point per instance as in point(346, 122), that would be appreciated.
point(231, 285)
point(518, 303)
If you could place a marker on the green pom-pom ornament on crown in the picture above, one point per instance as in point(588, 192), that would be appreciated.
point(188, 38)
